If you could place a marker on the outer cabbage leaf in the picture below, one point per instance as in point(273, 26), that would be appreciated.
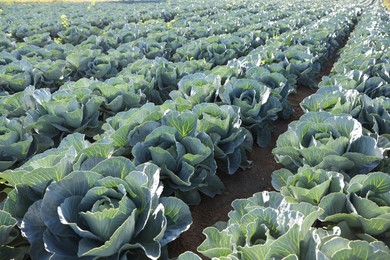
point(8, 234)
point(341, 248)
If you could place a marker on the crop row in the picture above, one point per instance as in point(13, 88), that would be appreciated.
point(41, 122)
point(101, 55)
point(332, 199)
point(102, 190)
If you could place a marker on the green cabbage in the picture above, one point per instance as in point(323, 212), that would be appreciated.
point(113, 210)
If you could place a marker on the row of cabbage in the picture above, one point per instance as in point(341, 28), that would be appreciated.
point(334, 193)
point(101, 51)
point(178, 143)
point(41, 122)
point(36, 120)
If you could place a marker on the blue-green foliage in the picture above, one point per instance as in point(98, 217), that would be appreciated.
point(109, 206)
point(324, 141)
point(112, 210)
point(217, 74)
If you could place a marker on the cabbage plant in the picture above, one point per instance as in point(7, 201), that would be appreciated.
point(195, 89)
point(113, 211)
point(373, 114)
point(302, 63)
point(308, 184)
point(91, 63)
point(261, 227)
point(17, 104)
point(38, 39)
point(324, 141)
point(220, 54)
point(363, 210)
point(16, 144)
point(65, 112)
point(258, 107)
point(74, 34)
point(118, 95)
point(15, 76)
point(50, 74)
point(231, 140)
point(128, 128)
point(31, 54)
point(371, 86)
point(125, 54)
point(333, 99)
point(186, 160)
point(8, 236)
point(280, 86)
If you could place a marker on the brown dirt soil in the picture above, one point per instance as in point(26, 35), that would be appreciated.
point(240, 185)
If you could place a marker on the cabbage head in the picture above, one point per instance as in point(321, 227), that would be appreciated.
point(195, 89)
point(308, 185)
point(9, 248)
point(363, 211)
point(324, 141)
point(16, 144)
point(15, 76)
point(258, 106)
point(112, 211)
point(264, 226)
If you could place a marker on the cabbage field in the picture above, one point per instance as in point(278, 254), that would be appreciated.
point(195, 130)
